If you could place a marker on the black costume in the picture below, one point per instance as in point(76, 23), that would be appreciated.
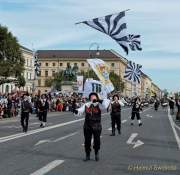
point(43, 107)
point(116, 115)
point(26, 108)
point(92, 125)
point(137, 106)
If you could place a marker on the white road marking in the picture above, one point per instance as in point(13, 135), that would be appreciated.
point(131, 138)
point(137, 143)
point(149, 116)
point(176, 126)
point(15, 136)
point(173, 128)
point(48, 167)
point(124, 121)
point(57, 140)
point(17, 127)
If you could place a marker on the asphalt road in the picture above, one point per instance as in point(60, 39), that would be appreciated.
point(152, 149)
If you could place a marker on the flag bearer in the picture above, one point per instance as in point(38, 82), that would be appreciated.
point(92, 123)
point(137, 106)
point(115, 109)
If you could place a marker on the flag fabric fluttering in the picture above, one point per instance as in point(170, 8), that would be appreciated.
point(36, 65)
point(133, 72)
point(134, 42)
point(113, 25)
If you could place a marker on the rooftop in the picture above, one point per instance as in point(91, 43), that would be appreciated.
point(84, 54)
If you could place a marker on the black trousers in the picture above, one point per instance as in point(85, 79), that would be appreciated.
point(135, 114)
point(43, 116)
point(116, 120)
point(90, 132)
point(25, 120)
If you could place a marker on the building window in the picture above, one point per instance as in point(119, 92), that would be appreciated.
point(112, 64)
point(61, 64)
point(39, 82)
point(46, 64)
point(27, 75)
point(46, 73)
point(82, 64)
point(39, 73)
point(75, 64)
point(53, 73)
point(54, 64)
point(68, 64)
point(30, 76)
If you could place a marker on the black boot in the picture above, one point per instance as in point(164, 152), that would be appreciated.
point(113, 132)
point(87, 158)
point(97, 156)
point(119, 132)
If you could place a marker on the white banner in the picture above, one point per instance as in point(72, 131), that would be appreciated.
point(80, 83)
point(94, 86)
point(102, 71)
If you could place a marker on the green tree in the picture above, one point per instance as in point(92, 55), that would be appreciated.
point(117, 82)
point(48, 82)
point(11, 59)
point(89, 74)
point(21, 82)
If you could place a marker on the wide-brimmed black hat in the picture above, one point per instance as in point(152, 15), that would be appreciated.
point(115, 96)
point(93, 93)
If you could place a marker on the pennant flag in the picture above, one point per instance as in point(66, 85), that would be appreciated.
point(102, 71)
point(112, 25)
point(36, 65)
point(133, 72)
point(134, 42)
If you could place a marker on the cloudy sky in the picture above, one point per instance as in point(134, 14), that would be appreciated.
point(50, 24)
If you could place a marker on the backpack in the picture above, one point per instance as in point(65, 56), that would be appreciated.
point(26, 107)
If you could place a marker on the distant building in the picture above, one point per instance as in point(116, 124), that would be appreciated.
point(53, 61)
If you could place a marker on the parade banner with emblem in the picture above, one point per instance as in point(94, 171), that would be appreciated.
point(80, 83)
point(102, 71)
point(91, 85)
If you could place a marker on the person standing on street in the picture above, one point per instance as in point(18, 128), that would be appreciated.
point(156, 104)
point(92, 123)
point(178, 109)
point(171, 105)
point(115, 109)
point(26, 108)
point(43, 107)
point(137, 106)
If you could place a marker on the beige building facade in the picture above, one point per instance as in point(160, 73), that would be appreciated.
point(53, 61)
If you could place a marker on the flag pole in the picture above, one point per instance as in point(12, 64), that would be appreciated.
point(103, 16)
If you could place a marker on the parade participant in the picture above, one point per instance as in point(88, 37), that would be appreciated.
point(178, 109)
point(115, 109)
point(137, 106)
point(156, 104)
point(171, 105)
point(43, 107)
point(26, 108)
point(92, 124)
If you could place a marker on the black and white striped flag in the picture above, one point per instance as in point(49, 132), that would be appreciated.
point(113, 25)
point(133, 72)
point(36, 65)
point(134, 42)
